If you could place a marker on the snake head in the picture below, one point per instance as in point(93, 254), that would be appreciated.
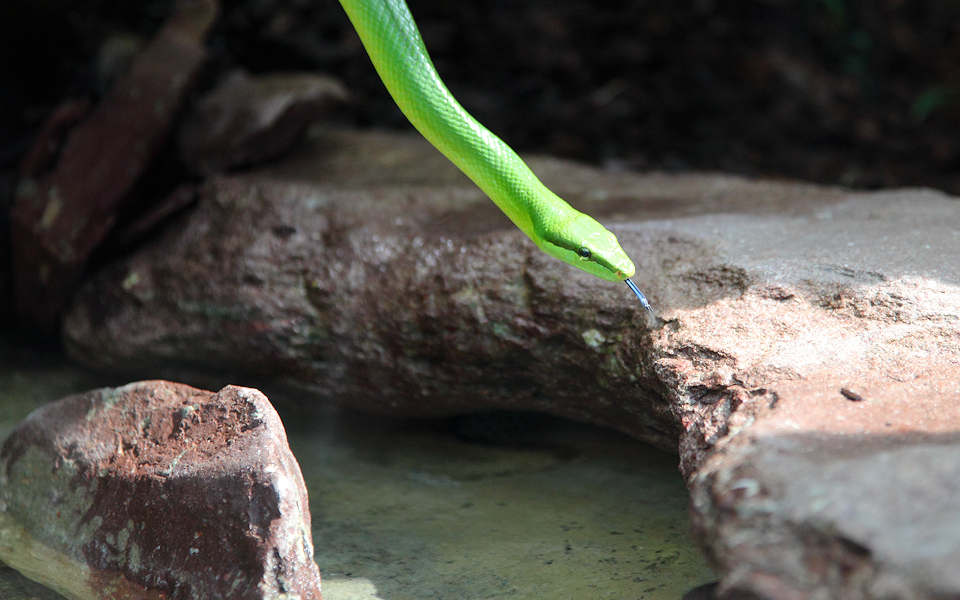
point(584, 243)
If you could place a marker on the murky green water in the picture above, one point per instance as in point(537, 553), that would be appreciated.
point(407, 510)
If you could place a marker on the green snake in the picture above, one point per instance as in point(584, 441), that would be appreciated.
point(393, 42)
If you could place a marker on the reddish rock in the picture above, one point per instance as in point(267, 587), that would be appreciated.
point(157, 490)
point(40, 157)
point(351, 294)
point(59, 218)
point(248, 119)
point(808, 370)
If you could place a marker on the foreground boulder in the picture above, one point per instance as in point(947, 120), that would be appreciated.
point(812, 326)
point(157, 490)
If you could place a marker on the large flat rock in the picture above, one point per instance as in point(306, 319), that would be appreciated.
point(366, 270)
point(812, 336)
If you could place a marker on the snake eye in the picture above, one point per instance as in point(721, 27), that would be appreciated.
point(584, 252)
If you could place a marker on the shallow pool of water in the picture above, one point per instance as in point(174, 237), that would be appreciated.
point(409, 510)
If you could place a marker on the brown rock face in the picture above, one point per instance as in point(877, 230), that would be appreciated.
point(810, 355)
point(157, 490)
point(60, 217)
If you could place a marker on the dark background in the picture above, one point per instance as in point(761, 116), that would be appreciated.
point(860, 93)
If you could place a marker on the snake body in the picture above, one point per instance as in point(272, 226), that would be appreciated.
point(391, 38)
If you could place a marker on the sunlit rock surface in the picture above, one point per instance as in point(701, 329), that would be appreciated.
point(821, 323)
point(157, 490)
point(366, 270)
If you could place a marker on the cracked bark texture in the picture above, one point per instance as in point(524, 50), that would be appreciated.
point(365, 270)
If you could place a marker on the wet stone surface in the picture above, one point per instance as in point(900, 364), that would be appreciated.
point(575, 511)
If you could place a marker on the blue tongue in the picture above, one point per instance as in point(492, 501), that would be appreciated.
point(643, 299)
